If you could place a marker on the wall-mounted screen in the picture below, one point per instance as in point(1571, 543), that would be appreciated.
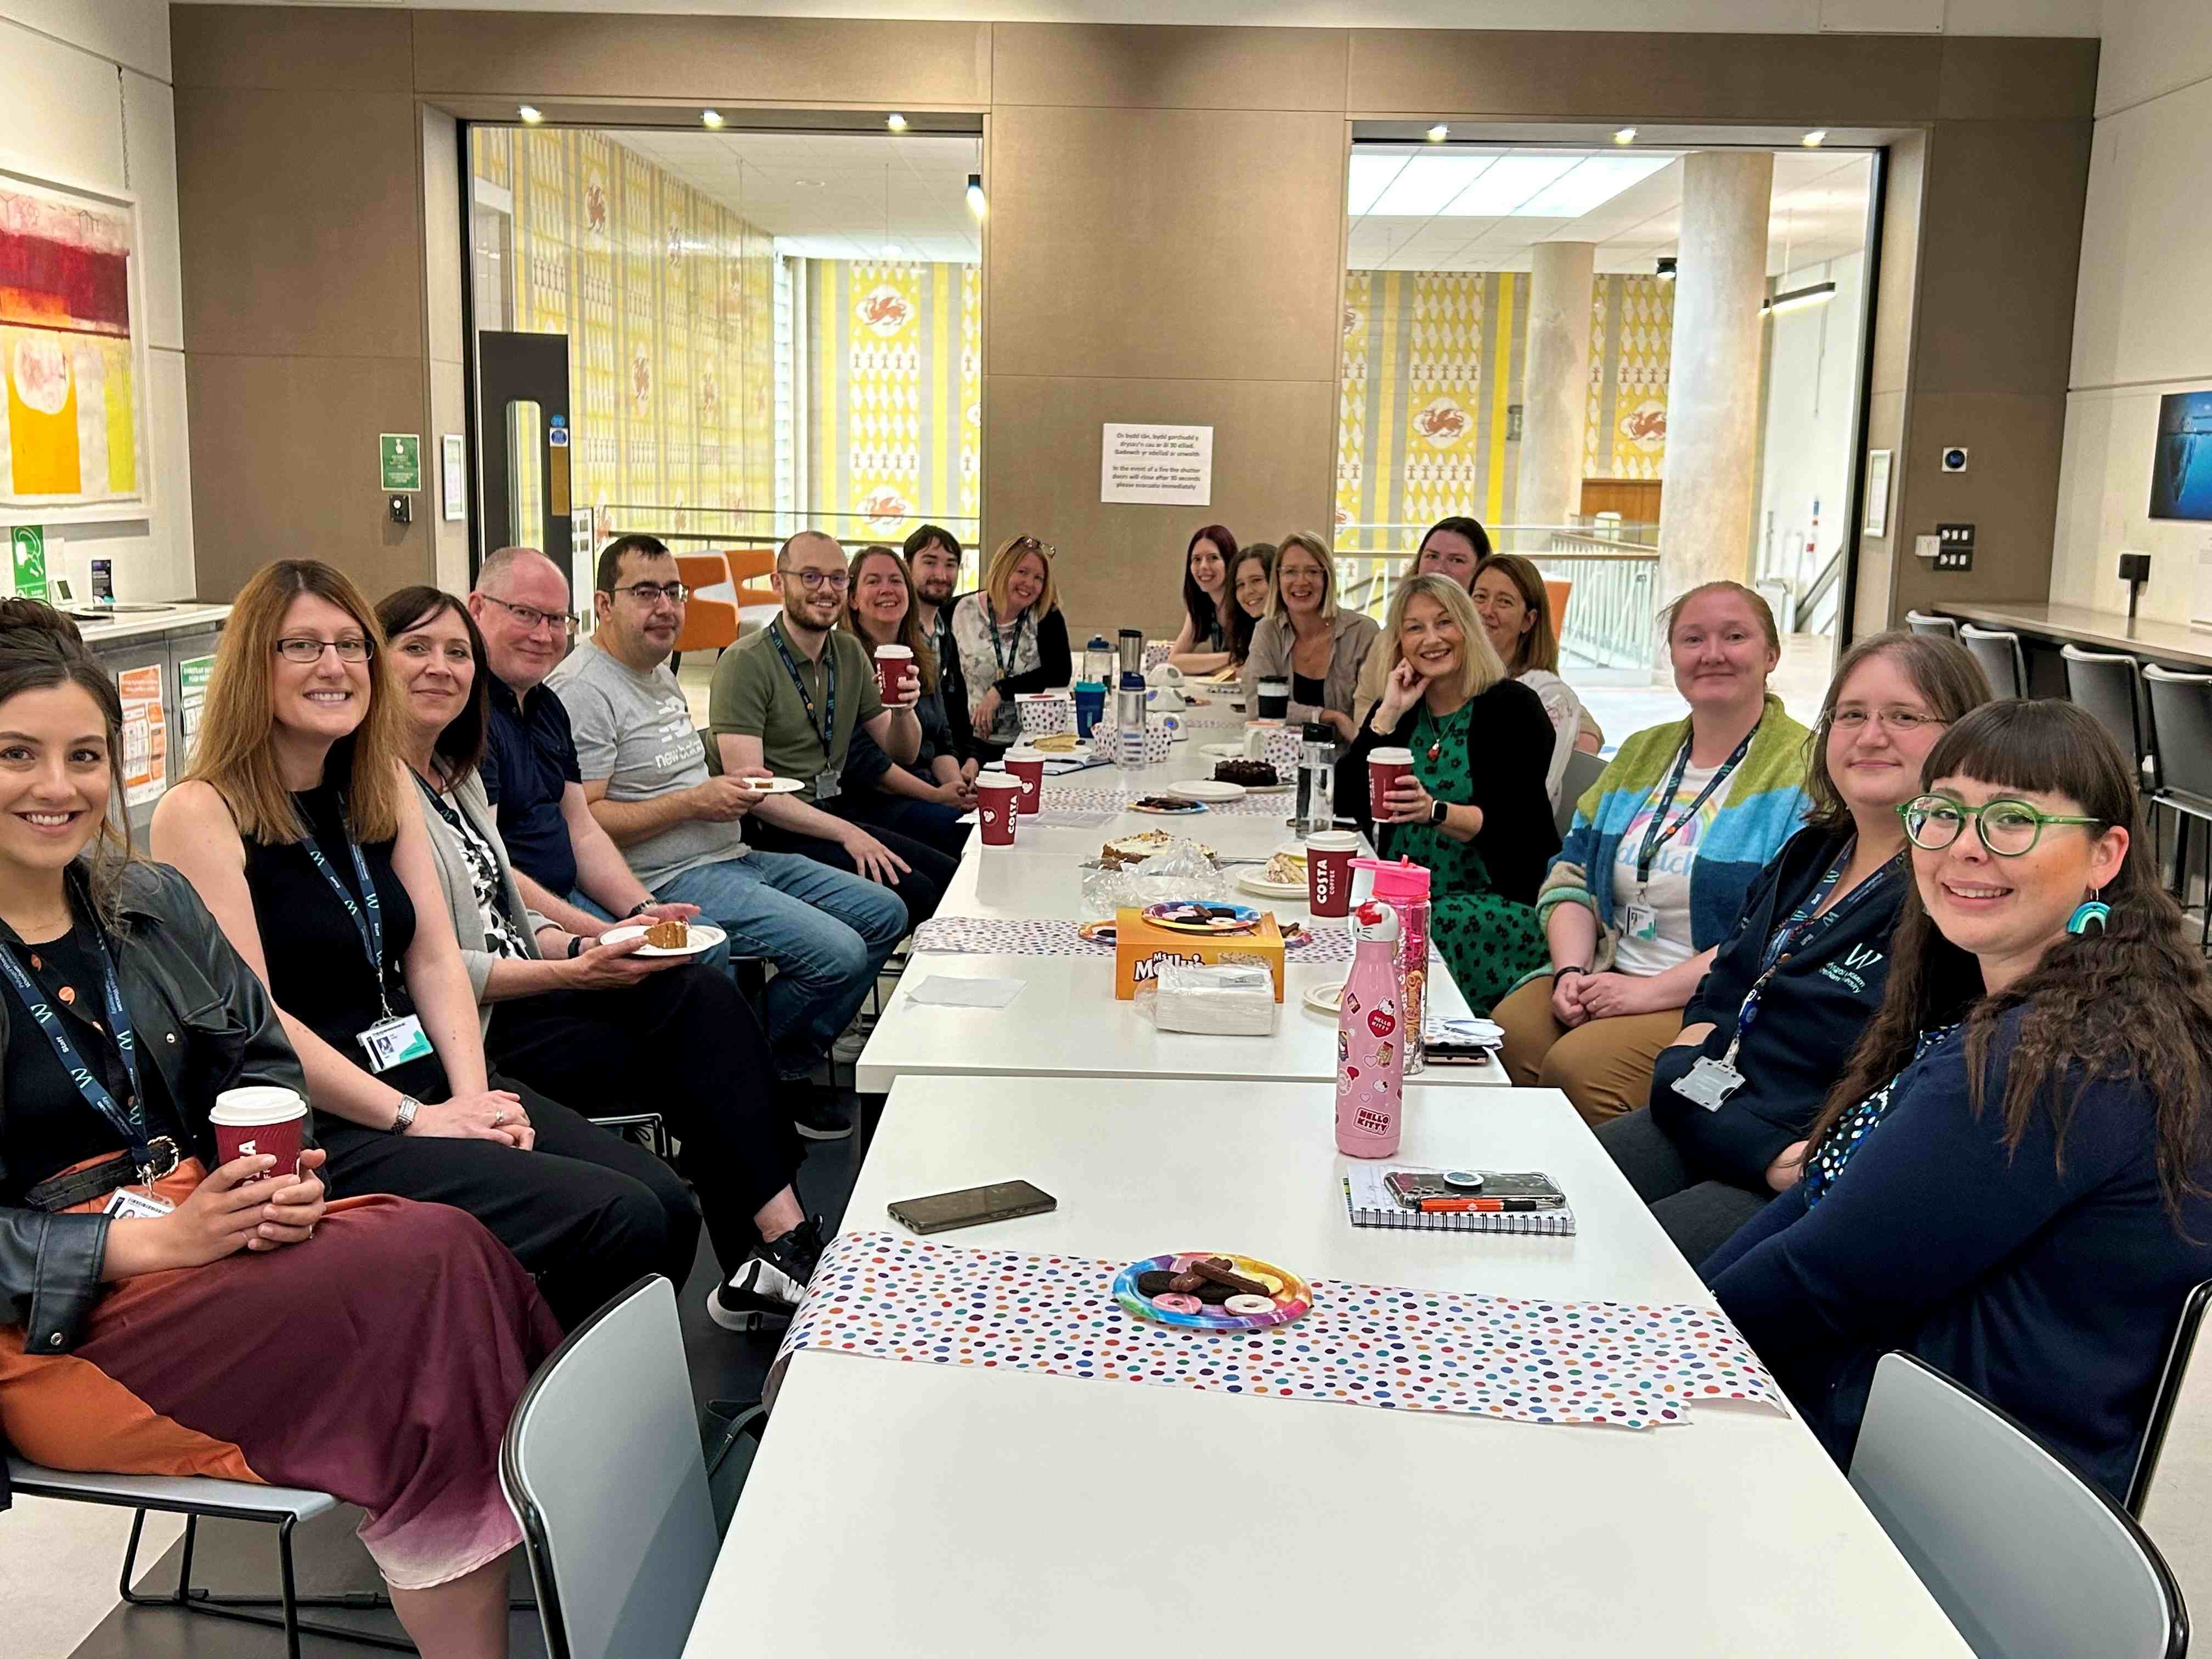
point(2181, 470)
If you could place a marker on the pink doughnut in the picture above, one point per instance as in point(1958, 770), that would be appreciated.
point(1175, 1302)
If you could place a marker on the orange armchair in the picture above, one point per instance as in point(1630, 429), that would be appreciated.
point(709, 624)
point(1556, 592)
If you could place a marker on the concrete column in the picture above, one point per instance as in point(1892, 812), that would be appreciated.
point(1712, 392)
point(1555, 405)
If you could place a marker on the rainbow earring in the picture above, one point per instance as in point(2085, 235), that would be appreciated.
point(2089, 916)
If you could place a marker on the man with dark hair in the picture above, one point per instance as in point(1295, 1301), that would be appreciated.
point(933, 555)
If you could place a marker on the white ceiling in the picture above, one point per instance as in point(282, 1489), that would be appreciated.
point(837, 195)
point(1819, 213)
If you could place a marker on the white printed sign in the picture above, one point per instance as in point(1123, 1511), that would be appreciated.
point(1166, 465)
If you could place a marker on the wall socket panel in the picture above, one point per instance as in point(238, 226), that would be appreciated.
point(1954, 547)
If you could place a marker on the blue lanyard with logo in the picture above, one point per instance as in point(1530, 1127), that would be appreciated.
point(367, 915)
point(1008, 660)
point(824, 726)
point(128, 1119)
point(1657, 833)
point(1806, 924)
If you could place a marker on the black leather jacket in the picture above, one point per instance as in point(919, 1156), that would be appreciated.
point(203, 1017)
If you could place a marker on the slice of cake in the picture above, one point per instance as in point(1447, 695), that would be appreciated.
point(672, 935)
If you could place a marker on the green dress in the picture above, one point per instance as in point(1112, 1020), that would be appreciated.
point(1490, 943)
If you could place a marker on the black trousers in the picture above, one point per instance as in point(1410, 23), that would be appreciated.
point(586, 1211)
point(684, 1044)
point(1698, 1215)
point(929, 871)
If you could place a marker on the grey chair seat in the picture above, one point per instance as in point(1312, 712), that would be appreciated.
point(170, 1493)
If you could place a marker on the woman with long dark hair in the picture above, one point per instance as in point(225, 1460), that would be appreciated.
point(1251, 589)
point(928, 796)
point(2009, 1181)
point(1203, 646)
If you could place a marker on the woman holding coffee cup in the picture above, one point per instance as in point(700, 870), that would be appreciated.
point(1470, 807)
point(1660, 861)
point(1011, 638)
point(298, 810)
point(1308, 651)
point(174, 1312)
point(927, 797)
point(1202, 646)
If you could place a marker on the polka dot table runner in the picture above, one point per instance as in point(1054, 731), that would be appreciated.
point(1052, 799)
point(1634, 1366)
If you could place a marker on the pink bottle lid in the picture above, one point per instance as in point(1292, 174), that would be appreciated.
point(1404, 879)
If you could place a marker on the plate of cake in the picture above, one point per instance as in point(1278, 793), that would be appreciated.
point(1256, 776)
point(1144, 844)
point(1212, 1290)
point(1283, 876)
point(667, 938)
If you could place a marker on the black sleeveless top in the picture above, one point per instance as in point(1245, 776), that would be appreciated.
point(318, 971)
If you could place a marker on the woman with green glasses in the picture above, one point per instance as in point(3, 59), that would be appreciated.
point(2010, 1182)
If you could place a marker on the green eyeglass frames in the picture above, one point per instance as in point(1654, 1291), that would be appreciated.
point(2008, 828)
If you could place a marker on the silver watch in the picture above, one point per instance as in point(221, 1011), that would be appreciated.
point(405, 1119)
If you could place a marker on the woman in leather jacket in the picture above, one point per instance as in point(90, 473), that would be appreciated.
point(160, 1313)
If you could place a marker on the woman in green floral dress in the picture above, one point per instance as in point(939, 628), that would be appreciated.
point(1474, 811)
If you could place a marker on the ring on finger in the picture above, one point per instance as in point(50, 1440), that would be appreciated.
point(498, 1118)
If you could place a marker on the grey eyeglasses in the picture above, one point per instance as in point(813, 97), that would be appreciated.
point(352, 648)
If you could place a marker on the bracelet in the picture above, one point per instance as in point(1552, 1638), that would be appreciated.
point(640, 907)
point(575, 945)
point(1561, 973)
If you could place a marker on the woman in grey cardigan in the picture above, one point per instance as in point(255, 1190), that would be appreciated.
point(1308, 641)
point(593, 1024)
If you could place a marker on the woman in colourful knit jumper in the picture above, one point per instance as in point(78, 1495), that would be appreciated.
point(1657, 867)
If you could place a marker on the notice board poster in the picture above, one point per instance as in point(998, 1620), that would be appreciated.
point(193, 674)
point(145, 734)
point(1159, 466)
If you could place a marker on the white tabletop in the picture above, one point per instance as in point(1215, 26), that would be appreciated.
point(927, 1510)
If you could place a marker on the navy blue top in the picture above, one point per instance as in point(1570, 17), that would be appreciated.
point(2049, 1289)
point(530, 758)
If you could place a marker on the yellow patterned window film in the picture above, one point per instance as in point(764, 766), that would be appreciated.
point(1433, 362)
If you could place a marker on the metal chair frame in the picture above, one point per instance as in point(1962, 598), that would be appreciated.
point(1921, 621)
point(2170, 1378)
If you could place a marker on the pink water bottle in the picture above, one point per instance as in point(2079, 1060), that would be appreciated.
point(1371, 1039)
point(1404, 886)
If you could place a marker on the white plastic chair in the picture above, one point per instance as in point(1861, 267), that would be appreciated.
point(1583, 770)
point(2025, 1558)
point(603, 1469)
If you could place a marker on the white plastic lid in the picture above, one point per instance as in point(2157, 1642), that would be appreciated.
point(255, 1103)
point(893, 650)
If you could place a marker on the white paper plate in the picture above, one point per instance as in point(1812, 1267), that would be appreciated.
point(1207, 789)
point(705, 936)
point(774, 786)
point(1221, 751)
point(1326, 998)
point(1273, 889)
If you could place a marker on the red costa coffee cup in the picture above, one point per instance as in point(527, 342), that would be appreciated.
point(1384, 768)
point(1330, 853)
point(893, 664)
point(1027, 764)
point(260, 1119)
point(998, 800)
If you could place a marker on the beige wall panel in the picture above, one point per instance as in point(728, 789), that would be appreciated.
point(1119, 566)
point(1878, 557)
point(284, 465)
point(1904, 194)
point(1174, 244)
point(301, 228)
point(1167, 68)
point(1838, 80)
point(2009, 494)
point(2000, 252)
point(1985, 79)
point(346, 49)
point(759, 59)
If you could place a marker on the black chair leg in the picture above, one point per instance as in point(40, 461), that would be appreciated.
point(291, 1612)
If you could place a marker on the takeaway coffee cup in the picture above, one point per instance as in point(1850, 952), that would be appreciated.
point(1330, 853)
point(894, 663)
point(260, 1119)
point(997, 799)
point(1274, 700)
point(1384, 768)
point(1027, 764)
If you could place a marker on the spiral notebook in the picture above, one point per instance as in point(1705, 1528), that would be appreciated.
point(1370, 1204)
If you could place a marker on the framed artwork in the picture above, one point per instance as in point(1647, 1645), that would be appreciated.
point(1877, 493)
point(72, 354)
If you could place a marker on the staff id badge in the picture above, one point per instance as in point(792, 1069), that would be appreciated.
point(1709, 1083)
point(394, 1041)
point(126, 1205)
point(826, 785)
point(1640, 921)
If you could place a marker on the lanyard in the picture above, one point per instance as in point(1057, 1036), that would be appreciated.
point(1657, 833)
point(368, 916)
point(825, 726)
point(1806, 923)
point(1021, 622)
point(129, 1120)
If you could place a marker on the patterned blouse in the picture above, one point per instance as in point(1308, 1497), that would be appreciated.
point(500, 936)
point(1836, 1146)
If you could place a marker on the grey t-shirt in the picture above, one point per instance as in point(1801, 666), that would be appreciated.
point(635, 730)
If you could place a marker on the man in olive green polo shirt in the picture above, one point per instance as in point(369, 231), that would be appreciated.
point(786, 701)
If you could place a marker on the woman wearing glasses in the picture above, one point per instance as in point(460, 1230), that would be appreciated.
point(298, 828)
point(1773, 1023)
point(1309, 641)
point(2010, 1181)
point(1013, 639)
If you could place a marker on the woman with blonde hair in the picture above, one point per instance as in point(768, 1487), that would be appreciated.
point(1012, 640)
point(927, 797)
point(1515, 604)
point(298, 828)
point(1308, 641)
point(1480, 823)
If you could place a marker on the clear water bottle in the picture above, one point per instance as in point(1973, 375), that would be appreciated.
point(1316, 780)
point(1098, 660)
point(1129, 721)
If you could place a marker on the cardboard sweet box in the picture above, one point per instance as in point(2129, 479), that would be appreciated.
point(1141, 947)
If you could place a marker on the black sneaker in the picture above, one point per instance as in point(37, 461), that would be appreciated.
point(817, 1114)
point(771, 1283)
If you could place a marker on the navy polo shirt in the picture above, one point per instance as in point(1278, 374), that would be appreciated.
point(530, 759)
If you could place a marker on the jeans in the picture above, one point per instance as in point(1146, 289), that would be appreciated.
point(827, 933)
point(919, 891)
point(718, 958)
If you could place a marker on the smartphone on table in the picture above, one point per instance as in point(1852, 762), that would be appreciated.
point(971, 1206)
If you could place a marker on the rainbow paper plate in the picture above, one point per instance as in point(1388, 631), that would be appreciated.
point(1291, 1295)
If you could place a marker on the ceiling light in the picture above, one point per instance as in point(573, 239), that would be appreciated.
point(1798, 298)
point(1439, 133)
point(531, 115)
point(711, 120)
point(1815, 138)
point(1625, 136)
point(896, 122)
point(891, 250)
point(976, 203)
point(1666, 270)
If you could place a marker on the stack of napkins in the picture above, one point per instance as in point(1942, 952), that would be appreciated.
point(1216, 998)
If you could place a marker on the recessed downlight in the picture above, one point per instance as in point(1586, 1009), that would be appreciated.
point(531, 115)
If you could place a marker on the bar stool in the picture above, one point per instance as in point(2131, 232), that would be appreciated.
point(1999, 653)
point(2104, 684)
point(2181, 739)
point(1921, 623)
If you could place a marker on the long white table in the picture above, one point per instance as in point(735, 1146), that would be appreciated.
point(927, 1510)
